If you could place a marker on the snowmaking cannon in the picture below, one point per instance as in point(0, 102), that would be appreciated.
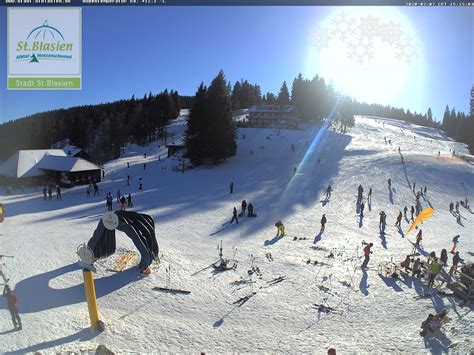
point(139, 227)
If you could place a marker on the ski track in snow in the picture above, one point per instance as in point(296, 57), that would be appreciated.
point(379, 315)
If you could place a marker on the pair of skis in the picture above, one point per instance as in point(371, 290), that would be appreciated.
point(242, 300)
point(326, 309)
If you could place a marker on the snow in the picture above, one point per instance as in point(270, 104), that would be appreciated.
point(379, 314)
point(24, 163)
point(67, 163)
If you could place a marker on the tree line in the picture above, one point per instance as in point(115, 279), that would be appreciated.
point(101, 130)
point(459, 126)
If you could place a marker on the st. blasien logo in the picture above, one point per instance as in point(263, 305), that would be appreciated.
point(44, 42)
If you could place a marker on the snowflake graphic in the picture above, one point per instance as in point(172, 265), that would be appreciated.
point(358, 34)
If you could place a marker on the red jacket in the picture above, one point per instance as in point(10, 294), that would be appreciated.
point(367, 250)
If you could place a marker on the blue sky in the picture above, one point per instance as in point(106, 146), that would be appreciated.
point(134, 50)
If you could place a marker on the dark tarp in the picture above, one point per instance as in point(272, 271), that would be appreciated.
point(139, 227)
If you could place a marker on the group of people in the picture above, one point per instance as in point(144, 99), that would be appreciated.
point(92, 188)
point(246, 208)
point(121, 199)
point(455, 207)
point(48, 192)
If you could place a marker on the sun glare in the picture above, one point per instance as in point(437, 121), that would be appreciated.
point(369, 54)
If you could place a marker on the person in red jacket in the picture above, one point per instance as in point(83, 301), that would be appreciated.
point(367, 253)
point(12, 306)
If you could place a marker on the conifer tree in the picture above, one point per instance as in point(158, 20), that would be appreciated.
point(195, 134)
point(283, 95)
point(221, 130)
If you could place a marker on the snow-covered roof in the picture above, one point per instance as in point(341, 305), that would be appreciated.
point(71, 150)
point(65, 163)
point(24, 162)
point(272, 108)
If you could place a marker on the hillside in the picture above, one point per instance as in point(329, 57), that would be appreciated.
point(378, 314)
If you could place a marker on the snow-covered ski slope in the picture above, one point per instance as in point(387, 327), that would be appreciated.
point(190, 209)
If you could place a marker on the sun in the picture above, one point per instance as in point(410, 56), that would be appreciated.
point(370, 54)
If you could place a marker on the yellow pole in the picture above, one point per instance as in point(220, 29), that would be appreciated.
point(90, 296)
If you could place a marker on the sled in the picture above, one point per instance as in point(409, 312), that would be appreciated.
point(124, 260)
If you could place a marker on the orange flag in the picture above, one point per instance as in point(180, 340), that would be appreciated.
point(423, 216)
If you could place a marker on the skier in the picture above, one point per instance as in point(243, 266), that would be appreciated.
point(12, 306)
point(456, 260)
point(231, 187)
point(414, 184)
point(457, 206)
point(328, 192)
point(424, 191)
point(369, 196)
point(451, 207)
point(444, 257)
point(399, 220)
point(389, 183)
point(405, 210)
point(412, 210)
point(128, 165)
point(58, 192)
point(455, 243)
point(362, 206)
point(360, 190)
point(128, 180)
point(45, 191)
point(280, 229)
point(140, 183)
point(109, 200)
point(50, 192)
point(367, 253)
point(144, 166)
point(418, 208)
point(96, 189)
point(88, 191)
point(122, 203)
point(234, 216)
point(419, 238)
point(103, 174)
point(294, 171)
point(435, 269)
point(244, 207)
point(399, 150)
point(382, 221)
point(129, 200)
point(416, 269)
point(323, 223)
point(250, 210)
point(119, 194)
